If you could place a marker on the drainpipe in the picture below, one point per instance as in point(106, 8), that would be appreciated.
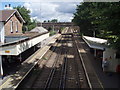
point(2, 40)
point(2, 32)
point(1, 68)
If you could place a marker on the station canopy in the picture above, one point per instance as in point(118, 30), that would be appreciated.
point(96, 43)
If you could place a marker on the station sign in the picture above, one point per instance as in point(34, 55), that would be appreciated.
point(7, 51)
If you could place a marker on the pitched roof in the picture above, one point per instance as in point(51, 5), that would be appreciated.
point(6, 14)
point(39, 30)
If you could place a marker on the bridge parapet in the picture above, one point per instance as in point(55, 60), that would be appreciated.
point(56, 25)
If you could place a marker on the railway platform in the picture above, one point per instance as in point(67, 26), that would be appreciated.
point(108, 80)
point(13, 80)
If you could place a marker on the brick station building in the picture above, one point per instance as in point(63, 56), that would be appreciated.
point(11, 21)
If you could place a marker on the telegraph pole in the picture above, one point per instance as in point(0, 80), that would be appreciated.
point(40, 15)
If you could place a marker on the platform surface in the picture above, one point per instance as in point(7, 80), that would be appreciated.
point(11, 81)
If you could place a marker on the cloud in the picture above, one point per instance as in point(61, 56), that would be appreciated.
point(49, 10)
point(38, 1)
point(66, 7)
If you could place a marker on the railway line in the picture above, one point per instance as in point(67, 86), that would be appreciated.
point(63, 67)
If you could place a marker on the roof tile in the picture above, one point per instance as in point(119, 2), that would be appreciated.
point(5, 14)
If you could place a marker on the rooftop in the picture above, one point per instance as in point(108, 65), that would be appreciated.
point(6, 14)
point(39, 30)
point(96, 43)
point(12, 38)
point(96, 40)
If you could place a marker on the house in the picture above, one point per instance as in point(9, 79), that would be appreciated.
point(11, 22)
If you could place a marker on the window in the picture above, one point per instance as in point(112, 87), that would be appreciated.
point(16, 26)
point(11, 27)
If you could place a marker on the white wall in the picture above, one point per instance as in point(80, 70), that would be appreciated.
point(25, 45)
point(2, 34)
point(21, 47)
point(113, 62)
point(8, 50)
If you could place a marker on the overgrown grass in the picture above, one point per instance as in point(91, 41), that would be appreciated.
point(81, 34)
point(44, 58)
point(52, 32)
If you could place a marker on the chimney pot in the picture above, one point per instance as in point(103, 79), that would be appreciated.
point(5, 5)
point(9, 5)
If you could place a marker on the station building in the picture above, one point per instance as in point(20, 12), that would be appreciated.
point(101, 50)
point(13, 43)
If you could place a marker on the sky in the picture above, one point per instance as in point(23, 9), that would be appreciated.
point(62, 11)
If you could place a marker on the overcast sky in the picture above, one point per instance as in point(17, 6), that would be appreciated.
point(63, 11)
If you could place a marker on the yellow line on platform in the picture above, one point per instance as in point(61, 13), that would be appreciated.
point(4, 83)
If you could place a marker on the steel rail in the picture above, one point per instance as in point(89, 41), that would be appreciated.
point(43, 67)
point(52, 72)
point(63, 72)
point(75, 63)
point(30, 70)
point(90, 82)
point(85, 71)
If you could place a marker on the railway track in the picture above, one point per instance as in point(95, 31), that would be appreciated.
point(48, 69)
point(33, 75)
point(91, 76)
point(54, 77)
point(64, 67)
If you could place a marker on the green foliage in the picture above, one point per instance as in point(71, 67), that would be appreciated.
point(103, 18)
point(54, 20)
point(52, 32)
point(25, 13)
point(49, 29)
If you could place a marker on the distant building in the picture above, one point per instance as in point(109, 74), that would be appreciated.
point(11, 22)
point(39, 30)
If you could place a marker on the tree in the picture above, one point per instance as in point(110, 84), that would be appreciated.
point(25, 13)
point(104, 18)
point(49, 29)
point(82, 18)
point(54, 20)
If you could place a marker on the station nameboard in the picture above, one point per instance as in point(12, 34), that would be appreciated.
point(7, 51)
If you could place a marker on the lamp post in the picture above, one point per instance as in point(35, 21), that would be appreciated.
point(53, 27)
point(94, 35)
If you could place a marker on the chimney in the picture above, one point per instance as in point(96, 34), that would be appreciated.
point(5, 7)
point(9, 5)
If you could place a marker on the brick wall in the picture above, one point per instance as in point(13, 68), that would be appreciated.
point(8, 26)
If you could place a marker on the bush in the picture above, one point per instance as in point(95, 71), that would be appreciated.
point(52, 32)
